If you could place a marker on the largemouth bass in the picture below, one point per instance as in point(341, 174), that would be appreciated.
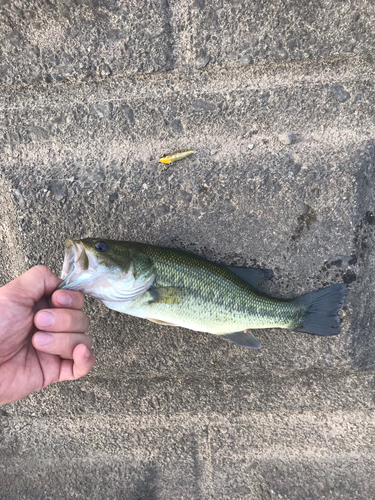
point(174, 287)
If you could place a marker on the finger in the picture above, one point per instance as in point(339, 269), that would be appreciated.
point(67, 298)
point(62, 344)
point(61, 320)
point(37, 282)
point(83, 362)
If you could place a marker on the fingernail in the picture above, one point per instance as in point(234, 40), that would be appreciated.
point(42, 338)
point(64, 299)
point(87, 352)
point(45, 319)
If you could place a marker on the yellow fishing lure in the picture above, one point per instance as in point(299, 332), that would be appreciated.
point(176, 155)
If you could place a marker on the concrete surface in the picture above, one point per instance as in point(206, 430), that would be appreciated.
point(92, 94)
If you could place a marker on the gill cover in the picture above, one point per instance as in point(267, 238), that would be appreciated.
point(106, 270)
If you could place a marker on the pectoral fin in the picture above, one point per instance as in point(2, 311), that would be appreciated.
point(165, 295)
point(254, 276)
point(244, 339)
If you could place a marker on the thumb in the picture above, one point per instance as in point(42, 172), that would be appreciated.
point(37, 282)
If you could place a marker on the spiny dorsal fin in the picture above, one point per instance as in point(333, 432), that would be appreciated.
point(254, 276)
point(244, 339)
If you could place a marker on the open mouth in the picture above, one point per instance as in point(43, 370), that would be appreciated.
point(75, 260)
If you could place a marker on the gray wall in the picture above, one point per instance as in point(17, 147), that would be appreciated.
point(92, 94)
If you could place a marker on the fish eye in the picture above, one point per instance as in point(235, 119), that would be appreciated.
point(101, 246)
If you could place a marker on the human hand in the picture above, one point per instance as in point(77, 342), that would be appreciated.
point(42, 338)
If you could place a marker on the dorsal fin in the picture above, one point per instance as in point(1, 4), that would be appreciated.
point(254, 276)
point(244, 339)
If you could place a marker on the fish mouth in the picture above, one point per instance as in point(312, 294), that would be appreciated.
point(75, 261)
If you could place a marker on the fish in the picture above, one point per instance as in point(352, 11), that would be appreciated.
point(176, 155)
point(174, 287)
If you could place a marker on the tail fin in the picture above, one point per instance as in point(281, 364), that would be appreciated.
point(321, 310)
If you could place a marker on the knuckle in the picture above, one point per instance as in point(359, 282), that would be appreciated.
point(68, 344)
point(73, 321)
point(41, 268)
point(87, 341)
point(69, 321)
point(85, 321)
point(78, 298)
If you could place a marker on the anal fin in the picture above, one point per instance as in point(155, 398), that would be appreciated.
point(243, 339)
